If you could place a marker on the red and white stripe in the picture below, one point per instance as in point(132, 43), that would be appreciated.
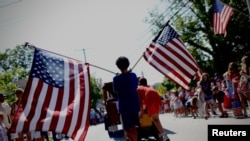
point(64, 110)
point(220, 20)
point(173, 60)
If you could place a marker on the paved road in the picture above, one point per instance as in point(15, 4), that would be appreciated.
point(178, 129)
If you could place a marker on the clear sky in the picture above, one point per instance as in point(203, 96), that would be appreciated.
point(105, 29)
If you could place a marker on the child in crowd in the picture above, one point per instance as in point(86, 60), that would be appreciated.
point(200, 103)
point(191, 103)
point(206, 89)
point(219, 96)
point(166, 104)
point(3, 129)
point(177, 104)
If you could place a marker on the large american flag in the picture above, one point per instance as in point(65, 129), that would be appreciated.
point(56, 98)
point(221, 17)
point(168, 55)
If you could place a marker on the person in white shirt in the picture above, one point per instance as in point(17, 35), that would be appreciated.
point(3, 129)
point(5, 108)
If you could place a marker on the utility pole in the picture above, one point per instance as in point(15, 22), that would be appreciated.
point(85, 60)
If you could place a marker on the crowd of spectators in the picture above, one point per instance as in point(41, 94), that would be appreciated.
point(214, 95)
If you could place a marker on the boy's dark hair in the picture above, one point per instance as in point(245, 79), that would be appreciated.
point(122, 62)
point(143, 81)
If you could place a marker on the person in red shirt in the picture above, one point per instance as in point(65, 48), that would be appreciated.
point(150, 102)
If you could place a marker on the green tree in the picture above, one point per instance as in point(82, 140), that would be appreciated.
point(169, 85)
point(160, 88)
point(14, 65)
point(19, 57)
point(193, 21)
point(95, 91)
point(7, 87)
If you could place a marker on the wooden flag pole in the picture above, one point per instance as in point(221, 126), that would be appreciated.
point(26, 44)
point(137, 62)
point(102, 68)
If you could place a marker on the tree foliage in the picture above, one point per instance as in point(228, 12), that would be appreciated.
point(192, 19)
point(19, 57)
point(96, 92)
point(165, 86)
point(14, 65)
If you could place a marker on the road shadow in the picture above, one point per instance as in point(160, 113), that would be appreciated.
point(169, 131)
point(119, 136)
